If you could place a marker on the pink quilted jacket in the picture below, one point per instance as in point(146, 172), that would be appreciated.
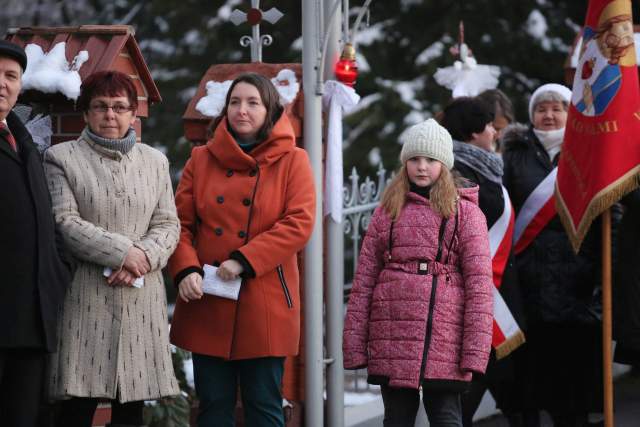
point(391, 318)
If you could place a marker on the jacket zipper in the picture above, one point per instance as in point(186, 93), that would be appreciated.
point(432, 303)
point(287, 295)
point(246, 239)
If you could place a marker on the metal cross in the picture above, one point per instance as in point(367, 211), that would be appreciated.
point(254, 17)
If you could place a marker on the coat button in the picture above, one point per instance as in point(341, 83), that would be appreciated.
point(253, 172)
point(246, 202)
point(218, 231)
point(230, 172)
point(242, 234)
point(220, 199)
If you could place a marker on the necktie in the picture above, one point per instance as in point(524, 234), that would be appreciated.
point(6, 134)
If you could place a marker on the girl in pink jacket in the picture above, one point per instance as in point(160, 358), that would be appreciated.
point(421, 307)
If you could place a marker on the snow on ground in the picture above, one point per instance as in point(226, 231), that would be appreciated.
point(51, 73)
point(360, 398)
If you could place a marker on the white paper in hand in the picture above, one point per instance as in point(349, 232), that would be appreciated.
point(137, 284)
point(214, 285)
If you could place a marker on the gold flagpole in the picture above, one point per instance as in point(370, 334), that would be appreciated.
point(607, 361)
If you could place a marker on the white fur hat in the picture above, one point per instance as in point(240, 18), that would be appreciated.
point(563, 91)
point(427, 139)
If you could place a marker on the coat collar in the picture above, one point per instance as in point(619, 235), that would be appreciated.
point(225, 148)
point(112, 154)
point(467, 190)
point(520, 137)
point(25, 144)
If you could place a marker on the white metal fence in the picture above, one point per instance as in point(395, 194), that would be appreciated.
point(359, 201)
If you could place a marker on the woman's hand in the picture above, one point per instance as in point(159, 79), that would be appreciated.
point(136, 262)
point(190, 287)
point(229, 270)
point(122, 277)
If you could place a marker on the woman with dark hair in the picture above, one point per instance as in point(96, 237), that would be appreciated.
point(113, 204)
point(246, 203)
point(470, 122)
point(502, 110)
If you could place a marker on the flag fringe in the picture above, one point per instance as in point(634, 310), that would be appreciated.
point(600, 203)
point(505, 348)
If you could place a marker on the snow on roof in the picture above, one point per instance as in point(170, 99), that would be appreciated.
point(211, 105)
point(51, 73)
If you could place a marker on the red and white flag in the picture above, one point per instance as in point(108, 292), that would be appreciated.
point(600, 158)
point(507, 335)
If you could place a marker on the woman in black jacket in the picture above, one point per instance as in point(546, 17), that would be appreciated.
point(562, 363)
point(470, 123)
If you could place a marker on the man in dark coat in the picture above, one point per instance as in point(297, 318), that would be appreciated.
point(33, 272)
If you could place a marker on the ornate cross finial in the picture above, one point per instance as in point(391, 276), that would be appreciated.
point(254, 17)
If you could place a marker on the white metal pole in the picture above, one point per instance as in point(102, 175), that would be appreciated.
point(335, 260)
point(256, 45)
point(314, 367)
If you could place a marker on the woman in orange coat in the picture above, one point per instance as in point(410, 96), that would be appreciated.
point(246, 203)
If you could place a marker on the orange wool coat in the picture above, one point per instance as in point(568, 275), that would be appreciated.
point(223, 194)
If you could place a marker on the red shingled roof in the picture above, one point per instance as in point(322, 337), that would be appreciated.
point(109, 47)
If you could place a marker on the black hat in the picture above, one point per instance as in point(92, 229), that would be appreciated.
point(13, 51)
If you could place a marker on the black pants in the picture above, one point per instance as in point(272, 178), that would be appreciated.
point(401, 407)
point(21, 386)
point(79, 412)
point(260, 382)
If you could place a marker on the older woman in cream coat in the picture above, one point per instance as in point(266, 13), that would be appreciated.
point(113, 203)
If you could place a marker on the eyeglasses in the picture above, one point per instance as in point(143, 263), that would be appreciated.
point(103, 108)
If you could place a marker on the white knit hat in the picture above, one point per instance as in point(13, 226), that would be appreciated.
point(563, 91)
point(427, 139)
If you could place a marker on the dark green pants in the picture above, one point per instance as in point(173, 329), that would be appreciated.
point(260, 382)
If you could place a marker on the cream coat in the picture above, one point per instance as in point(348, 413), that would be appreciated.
point(113, 341)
